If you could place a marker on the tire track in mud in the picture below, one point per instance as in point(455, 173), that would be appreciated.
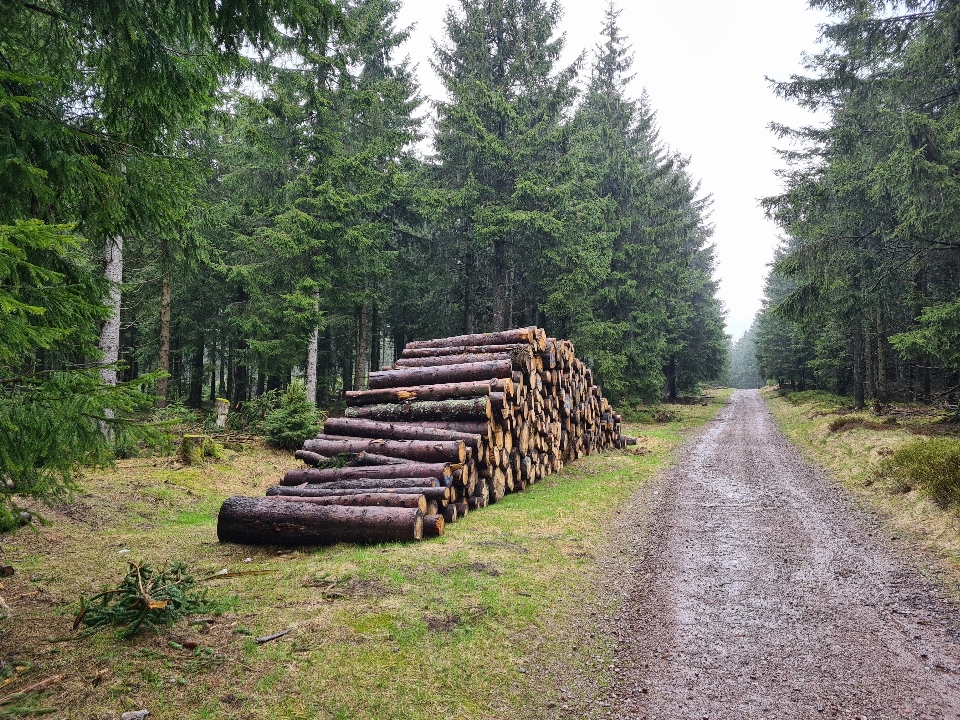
point(761, 592)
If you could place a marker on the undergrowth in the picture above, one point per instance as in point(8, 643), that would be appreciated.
point(932, 465)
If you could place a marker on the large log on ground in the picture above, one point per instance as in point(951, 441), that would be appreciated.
point(362, 499)
point(437, 494)
point(264, 521)
point(456, 409)
point(366, 458)
point(473, 427)
point(467, 372)
point(359, 427)
point(433, 525)
point(431, 451)
point(507, 337)
point(443, 391)
point(409, 470)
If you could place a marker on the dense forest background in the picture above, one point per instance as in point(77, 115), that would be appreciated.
point(206, 200)
point(863, 298)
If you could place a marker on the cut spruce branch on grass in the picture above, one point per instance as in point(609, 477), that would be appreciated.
point(507, 418)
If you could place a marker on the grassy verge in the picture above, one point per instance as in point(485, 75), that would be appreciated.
point(466, 626)
point(871, 455)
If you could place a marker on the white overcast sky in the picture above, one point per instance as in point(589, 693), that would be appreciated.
point(703, 63)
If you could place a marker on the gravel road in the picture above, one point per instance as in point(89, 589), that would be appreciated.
point(758, 590)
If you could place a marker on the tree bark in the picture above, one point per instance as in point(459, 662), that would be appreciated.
point(506, 337)
point(521, 357)
point(436, 471)
point(858, 379)
point(472, 427)
point(440, 391)
point(110, 333)
point(456, 409)
point(433, 525)
point(466, 372)
point(366, 499)
point(356, 427)
point(882, 392)
point(311, 458)
point(434, 493)
point(265, 521)
point(364, 459)
point(429, 451)
point(310, 377)
point(437, 352)
point(164, 359)
point(360, 364)
point(672, 379)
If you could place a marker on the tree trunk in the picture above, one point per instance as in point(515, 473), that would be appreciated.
point(374, 336)
point(266, 521)
point(196, 374)
point(506, 337)
point(436, 471)
point(868, 385)
point(466, 372)
point(469, 280)
point(360, 362)
point(442, 391)
point(437, 352)
point(455, 409)
point(499, 286)
point(311, 458)
point(367, 499)
point(433, 493)
point(164, 360)
point(355, 427)
point(430, 451)
point(672, 379)
point(310, 379)
point(110, 333)
point(858, 379)
point(882, 390)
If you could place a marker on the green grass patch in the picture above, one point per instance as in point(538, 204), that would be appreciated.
point(930, 464)
point(484, 622)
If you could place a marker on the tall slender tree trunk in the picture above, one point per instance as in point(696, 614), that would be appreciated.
point(467, 294)
point(499, 287)
point(362, 350)
point(312, 351)
point(868, 366)
point(110, 333)
point(672, 379)
point(881, 354)
point(196, 374)
point(164, 361)
point(213, 372)
point(858, 380)
point(374, 337)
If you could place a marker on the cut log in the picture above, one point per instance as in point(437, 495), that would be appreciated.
point(450, 514)
point(443, 391)
point(466, 372)
point(450, 360)
point(440, 494)
point(472, 427)
point(477, 502)
point(431, 451)
point(264, 521)
point(433, 525)
point(436, 352)
point(358, 427)
point(507, 337)
point(409, 470)
point(362, 499)
point(364, 458)
point(311, 458)
point(455, 409)
point(462, 509)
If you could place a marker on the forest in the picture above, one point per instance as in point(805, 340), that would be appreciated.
point(863, 298)
point(221, 200)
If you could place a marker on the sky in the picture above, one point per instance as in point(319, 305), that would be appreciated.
point(703, 64)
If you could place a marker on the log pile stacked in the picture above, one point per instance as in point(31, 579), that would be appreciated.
point(453, 425)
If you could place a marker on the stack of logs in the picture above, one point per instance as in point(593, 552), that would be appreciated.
point(452, 425)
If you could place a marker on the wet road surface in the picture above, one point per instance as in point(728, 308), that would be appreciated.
point(760, 592)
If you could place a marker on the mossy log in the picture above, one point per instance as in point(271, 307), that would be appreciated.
point(194, 448)
point(265, 521)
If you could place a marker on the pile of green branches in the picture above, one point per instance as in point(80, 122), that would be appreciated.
point(145, 598)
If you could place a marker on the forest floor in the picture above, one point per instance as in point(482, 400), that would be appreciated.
point(754, 586)
point(505, 616)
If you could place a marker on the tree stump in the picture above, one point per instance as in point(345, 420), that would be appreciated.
point(194, 448)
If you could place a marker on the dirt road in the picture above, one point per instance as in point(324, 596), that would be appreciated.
point(759, 591)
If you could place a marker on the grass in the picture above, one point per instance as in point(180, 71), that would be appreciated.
point(903, 465)
point(485, 622)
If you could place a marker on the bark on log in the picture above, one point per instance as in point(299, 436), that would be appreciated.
point(506, 337)
point(366, 499)
point(264, 521)
point(457, 409)
point(462, 509)
point(450, 360)
point(311, 458)
point(477, 502)
point(358, 427)
point(450, 514)
point(431, 451)
point(412, 353)
point(378, 472)
point(443, 391)
point(466, 372)
point(364, 459)
point(433, 525)
point(472, 427)
point(439, 494)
